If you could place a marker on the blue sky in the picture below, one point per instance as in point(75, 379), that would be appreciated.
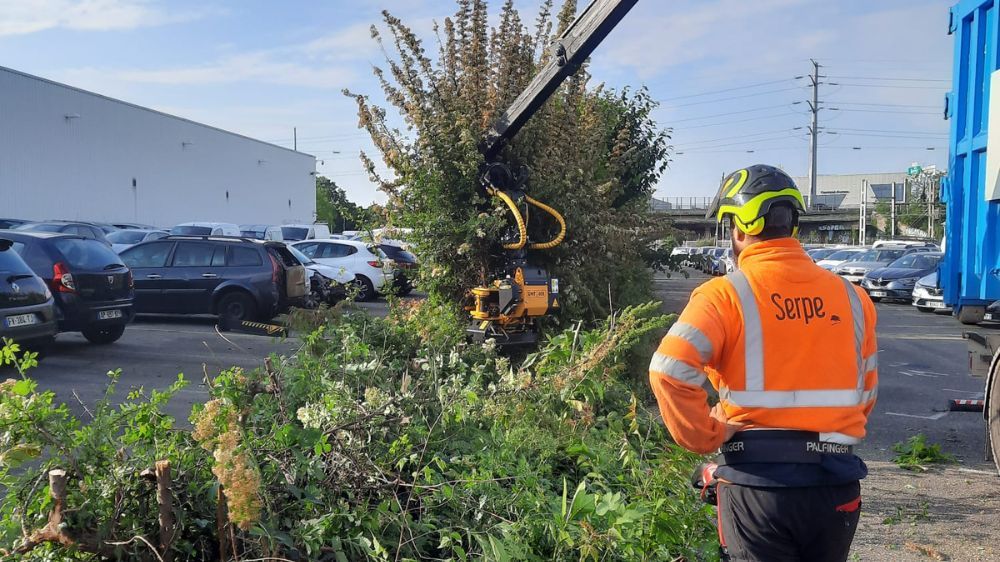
point(724, 69)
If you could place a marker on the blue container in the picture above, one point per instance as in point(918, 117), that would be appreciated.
point(970, 271)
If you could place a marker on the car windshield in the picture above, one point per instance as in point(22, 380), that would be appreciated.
point(397, 253)
point(885, 256)
point(89, 255)
point(188, 230)
point(842, 255)
point(126, 236)
point(41, 227)
point(306, 260)
point(821, 254)
point(294, 233)
point(916, 261)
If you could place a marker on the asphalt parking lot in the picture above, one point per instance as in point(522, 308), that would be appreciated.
point(922, 364)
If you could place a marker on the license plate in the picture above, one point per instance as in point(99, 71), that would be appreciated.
point(935, 304)
point(988, 316)
point(21, 320)
point(108, 314)
point(878, 293)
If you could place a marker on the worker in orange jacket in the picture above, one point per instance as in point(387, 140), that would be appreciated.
point(791, 350)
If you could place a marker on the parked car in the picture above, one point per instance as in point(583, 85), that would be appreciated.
point(897, 280)
point(328, 282)
point(856, 269)
point(840, 257)
point(927, 294)
point(133, 226)
point(124, 239)
point(7, 224)
point(235, 278)
point(373, 271)
point(27, 308)
point(93, 288)
point(297, 232)
point(727, 263)
point(206, 229)
point(261, 232)
point(83, 229)
point(905, 244)
point(992, 312)
point(404, 262)
point(820, 253)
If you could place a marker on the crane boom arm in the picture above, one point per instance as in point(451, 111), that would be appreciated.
point(569, 52)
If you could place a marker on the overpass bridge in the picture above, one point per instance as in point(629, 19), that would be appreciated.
point(838, 225)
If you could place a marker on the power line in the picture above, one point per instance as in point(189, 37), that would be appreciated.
point(903, 87)
point(732, 121)
point(744, 142)
point(890, 131)
point(894, 79)
point(762, 133)
point(734, 97)
point(733, 89)
point(884, 111)
point(730, 113)
point(883, 104)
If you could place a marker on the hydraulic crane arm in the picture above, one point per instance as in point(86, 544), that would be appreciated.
point(570, 51)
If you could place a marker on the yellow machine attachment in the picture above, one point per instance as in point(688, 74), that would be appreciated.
point(507, 309)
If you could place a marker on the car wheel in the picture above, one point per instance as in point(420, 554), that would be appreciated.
point(364, 287)
point(925, 309)
point(970, 315)
point(103, 335)
point(236, 307)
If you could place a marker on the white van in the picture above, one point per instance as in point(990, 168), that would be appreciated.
point(296, 232)
point(262, 232)
point(206, 229)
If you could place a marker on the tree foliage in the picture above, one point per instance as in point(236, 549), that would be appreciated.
point(594, 154)
point(336, 210)
point(381, 439)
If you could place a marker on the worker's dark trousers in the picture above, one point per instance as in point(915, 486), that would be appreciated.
point(814, 524)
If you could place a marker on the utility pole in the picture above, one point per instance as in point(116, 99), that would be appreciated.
point(892, 213)
point(295, 139)
point(864, 213)
point(813, 132)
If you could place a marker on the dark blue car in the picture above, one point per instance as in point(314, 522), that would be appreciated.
point(896, 280)
point(236, 278)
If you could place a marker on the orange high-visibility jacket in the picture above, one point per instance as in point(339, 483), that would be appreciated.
point(787, 344)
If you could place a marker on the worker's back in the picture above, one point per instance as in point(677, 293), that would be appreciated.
point(793, 352)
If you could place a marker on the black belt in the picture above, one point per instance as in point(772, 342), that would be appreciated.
point(778, 446)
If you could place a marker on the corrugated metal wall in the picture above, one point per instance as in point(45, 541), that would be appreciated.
point(70, 154)
point(850, 184)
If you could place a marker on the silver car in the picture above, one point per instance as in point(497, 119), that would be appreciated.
point(927, 295)
point(855, 270)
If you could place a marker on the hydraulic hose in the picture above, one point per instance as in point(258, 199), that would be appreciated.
point(522, 229)
point(559, 218)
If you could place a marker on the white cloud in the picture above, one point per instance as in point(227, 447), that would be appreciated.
point(31, 16)
point(260, 67)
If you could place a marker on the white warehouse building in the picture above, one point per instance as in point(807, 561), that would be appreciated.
point(66, 153)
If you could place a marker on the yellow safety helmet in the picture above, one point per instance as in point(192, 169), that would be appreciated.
point(748, 195)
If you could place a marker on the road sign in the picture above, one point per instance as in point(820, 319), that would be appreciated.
point(914, 170)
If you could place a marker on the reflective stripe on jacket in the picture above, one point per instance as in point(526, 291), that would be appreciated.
point(787, 344)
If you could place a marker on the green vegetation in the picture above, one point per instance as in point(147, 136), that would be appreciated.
point(915, 453)
point(336, 210)
point(381, 439)
point(594, 154)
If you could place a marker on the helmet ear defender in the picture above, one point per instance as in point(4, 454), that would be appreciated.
point(755, 227)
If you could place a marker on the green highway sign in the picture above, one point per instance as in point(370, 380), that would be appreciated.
point(914, 170)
